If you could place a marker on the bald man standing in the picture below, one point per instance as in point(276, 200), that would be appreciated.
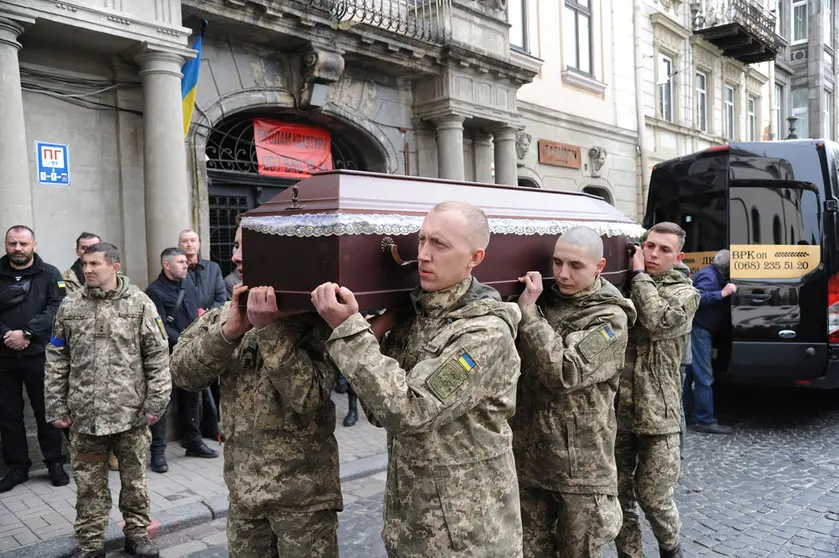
point(443, 384)
point(572, 341)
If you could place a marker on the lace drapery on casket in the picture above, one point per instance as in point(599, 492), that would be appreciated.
point(360, 230)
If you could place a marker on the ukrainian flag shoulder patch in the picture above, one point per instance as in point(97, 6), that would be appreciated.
point(61, 285)
point(56, 342)
point(450, 376)
point(595, 342)
point(161, 327)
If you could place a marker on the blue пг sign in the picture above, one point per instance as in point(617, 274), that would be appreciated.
point(52, 162)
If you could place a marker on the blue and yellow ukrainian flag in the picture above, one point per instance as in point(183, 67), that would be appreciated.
point(189, 83)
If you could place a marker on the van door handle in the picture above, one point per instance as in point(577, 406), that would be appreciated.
point(758, 298)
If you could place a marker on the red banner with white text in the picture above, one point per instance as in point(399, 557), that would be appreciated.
point(287, 150)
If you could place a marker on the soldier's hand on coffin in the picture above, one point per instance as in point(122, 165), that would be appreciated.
point(236, 322)
point(334, 311)
point(532, 288)
point(638, 263)
point(262, 307)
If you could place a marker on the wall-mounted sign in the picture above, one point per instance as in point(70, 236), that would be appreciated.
point(289, 150)
point(52, 163)
point(559, 154)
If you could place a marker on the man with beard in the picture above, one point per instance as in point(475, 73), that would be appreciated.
point(74, 275)
point(30, 294)
point(281, 456)
point(572, 342)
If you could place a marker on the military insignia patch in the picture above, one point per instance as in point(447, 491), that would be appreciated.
point(595, 342)
point(61, 285)
point(446, 380)
point(162, 328)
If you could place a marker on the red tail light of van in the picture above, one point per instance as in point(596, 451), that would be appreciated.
point(833, 309)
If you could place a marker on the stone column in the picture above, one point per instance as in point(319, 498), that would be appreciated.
point(450, 146)
point(505, 156)
point(482, 147)
point(15, 187)
point(164, 153)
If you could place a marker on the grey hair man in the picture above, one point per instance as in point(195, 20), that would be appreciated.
point(712, 316)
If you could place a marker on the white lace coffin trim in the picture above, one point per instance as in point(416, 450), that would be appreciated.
point(338, 224)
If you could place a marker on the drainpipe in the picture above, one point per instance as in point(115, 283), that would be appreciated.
point(640, 147)
point(773, 112)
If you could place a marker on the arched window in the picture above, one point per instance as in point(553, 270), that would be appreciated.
point(527, 182)
point(601, 193)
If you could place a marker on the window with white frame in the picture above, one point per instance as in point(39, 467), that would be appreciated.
point(827, 25)
point(778, 8)
point(800, 100)
point(728, 112)
point(752, 118)
point(665, 87)
point(577, 38)
point(828, 114)
point(521, 18)
point(799, 21)
point(780, 116)
point(702, 101)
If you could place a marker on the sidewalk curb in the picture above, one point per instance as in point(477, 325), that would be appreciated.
point(181, 517)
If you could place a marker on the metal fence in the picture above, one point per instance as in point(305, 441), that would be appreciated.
point(751, 14)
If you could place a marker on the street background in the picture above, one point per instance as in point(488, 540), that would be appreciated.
point(771, 489)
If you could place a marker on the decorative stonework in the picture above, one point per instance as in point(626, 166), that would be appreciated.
point(668, 34)
point(732, 72)
point(597, 155)
point(703, 56)
point(319, 67)
point(523, 140)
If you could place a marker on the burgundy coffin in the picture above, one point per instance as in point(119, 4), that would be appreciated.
point(353, 228)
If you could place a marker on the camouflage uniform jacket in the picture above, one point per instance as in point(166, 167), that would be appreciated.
point(650, 396)
point(108, 359)
point(279, 421)
point(444, 386)
point(572, 352)
point(71, 281)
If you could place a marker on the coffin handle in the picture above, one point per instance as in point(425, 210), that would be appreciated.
point(388, 245)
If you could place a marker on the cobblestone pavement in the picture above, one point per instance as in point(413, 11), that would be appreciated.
point(770, 489)
point(38, 511)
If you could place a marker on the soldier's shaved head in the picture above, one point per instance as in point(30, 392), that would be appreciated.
point(476, 221)
point(586, 239)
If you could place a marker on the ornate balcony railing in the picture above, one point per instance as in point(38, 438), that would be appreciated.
point(425, 20)
point(743, 29)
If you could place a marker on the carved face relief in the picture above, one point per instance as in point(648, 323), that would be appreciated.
point(523, 140)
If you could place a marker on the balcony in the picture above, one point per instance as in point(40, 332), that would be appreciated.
point(425, 20)
point(743, 29)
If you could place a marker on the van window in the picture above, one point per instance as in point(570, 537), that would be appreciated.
point(784, 215)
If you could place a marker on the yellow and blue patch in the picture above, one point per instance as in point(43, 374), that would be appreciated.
point(61, 285)
point(161, 327)
point(56, 342)
point(607, 334)
point(466, 362)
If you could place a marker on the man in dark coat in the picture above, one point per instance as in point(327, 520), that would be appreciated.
point(208, 280)
point(30, 294)
point(176, 300)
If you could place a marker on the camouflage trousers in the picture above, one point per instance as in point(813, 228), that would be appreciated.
point(648, 471)
point(283, 534)
point(89, 456)
point(567, 525)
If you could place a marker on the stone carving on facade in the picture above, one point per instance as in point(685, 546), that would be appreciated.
point(671, 5)
point(597, 155)
point(320, 68)
point(523, 140)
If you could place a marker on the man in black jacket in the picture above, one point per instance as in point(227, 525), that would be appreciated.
point(176, 300)
point(208, 280)
point(30, 294)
